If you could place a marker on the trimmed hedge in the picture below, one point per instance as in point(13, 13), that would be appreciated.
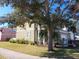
point(19, 41)
point(22, 41)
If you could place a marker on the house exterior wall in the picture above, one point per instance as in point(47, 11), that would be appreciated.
point(26, 33)
point(77, 27)
point(7, 33)
point(20, 33)
point(0, 35)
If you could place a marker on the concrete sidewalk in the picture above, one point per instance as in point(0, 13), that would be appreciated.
point(9, 54)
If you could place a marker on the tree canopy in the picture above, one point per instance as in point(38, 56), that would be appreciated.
point(35, 9)
point(50, 13)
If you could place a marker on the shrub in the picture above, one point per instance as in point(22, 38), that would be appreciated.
point(26, 42)
point(22, 41)
point(13, 40)
point(31, 42)
point(8, 39)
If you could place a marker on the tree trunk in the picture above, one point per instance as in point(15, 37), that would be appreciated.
point(50, 43)
point(35, 33)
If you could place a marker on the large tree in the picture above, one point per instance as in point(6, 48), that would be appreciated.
point(42, 13)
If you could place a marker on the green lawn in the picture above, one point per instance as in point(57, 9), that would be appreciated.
point(40, 51)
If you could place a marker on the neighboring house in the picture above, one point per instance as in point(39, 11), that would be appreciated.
point(77, 27)
point(7, 33)
point(27, 32)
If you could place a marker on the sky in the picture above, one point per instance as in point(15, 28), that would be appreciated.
point(4, 25)
point(4, 11)
point(64, 4)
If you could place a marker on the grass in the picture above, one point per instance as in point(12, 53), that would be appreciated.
point(24, 48)
point(1, 57)
point(68, 53)
point(41, 51)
